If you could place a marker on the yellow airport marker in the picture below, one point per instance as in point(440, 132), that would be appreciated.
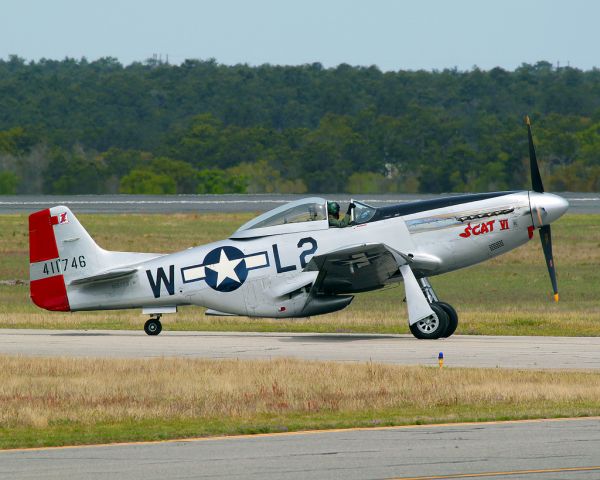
point(441, 359)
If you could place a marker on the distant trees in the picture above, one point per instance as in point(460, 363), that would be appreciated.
point(75, 126)
point(8, 183)
point(147, 182)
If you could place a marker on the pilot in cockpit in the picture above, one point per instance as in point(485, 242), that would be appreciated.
point(333, 213)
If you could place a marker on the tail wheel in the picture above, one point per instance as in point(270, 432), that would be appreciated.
point(452, 318)
point(153, 326)
point(433, 327)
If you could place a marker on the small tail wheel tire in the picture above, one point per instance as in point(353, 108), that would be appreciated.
point(153, 326)
point(452, 318)
point(433, 327)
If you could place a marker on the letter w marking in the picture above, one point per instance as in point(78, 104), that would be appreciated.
point(161, 278)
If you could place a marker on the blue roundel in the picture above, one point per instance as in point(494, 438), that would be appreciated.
point(225, 269)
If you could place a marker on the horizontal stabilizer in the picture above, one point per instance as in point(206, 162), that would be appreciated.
point(105, 276)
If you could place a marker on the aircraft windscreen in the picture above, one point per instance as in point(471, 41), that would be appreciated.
point(363, 212)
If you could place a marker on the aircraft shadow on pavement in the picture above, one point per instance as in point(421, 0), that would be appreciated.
point(292, 337)
point(328, 338)
point(80, 334)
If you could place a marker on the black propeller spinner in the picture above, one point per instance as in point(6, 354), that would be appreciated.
point(545, 232)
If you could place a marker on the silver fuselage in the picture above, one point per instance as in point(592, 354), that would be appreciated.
point(441, 236)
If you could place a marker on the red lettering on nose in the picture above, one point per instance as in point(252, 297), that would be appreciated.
point(467, 232)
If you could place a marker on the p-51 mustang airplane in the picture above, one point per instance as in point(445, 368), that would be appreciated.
point(288, 262)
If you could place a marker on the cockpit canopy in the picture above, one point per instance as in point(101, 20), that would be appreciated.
point(302, 215)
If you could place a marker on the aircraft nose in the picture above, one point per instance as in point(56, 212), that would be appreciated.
point(547, 208)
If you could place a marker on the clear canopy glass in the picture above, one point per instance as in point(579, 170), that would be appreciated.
point(305, 210)
point(363, 212)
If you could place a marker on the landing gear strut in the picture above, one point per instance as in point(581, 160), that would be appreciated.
point(442, 323)
point(153, 326)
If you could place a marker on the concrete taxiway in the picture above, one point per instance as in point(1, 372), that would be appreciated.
point(459, 350)
point(548, 449)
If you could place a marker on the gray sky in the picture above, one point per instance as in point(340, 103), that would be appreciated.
point(394, 35)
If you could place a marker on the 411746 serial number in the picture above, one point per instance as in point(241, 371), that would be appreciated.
point(61, 265)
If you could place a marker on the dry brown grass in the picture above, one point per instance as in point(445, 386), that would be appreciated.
point(38, 392)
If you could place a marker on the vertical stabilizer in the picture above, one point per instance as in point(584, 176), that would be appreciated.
point(60, 250)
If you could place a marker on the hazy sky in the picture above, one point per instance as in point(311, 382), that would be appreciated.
point(394, 35)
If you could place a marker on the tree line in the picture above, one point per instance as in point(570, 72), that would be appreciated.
point(74, 126)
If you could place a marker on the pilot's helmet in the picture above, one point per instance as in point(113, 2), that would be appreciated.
point(333, 209)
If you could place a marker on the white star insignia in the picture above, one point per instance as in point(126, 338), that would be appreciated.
point(225, 268)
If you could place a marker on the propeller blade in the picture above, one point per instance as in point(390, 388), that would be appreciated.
point(546, 238)
point(536, 179)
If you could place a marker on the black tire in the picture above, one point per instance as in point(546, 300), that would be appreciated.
point(452, 318)
point(153, 326)
point(432, 327)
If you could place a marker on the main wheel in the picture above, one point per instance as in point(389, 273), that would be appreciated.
point(452, 318)
point(432, 327)
point(153, 326)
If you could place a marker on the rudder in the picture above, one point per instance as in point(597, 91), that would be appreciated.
point(60, 250)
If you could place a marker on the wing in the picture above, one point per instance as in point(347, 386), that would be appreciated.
point(358, 268)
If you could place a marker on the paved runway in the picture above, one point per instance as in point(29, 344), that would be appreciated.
point(579, 202)
point(459, 350)
point(565, 449)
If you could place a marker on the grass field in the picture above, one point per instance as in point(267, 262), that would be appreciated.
point(76, 401)
point(63, 401)
point(510, 295)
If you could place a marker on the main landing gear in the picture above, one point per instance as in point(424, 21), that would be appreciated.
point(442, 323)
point(153, 326)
